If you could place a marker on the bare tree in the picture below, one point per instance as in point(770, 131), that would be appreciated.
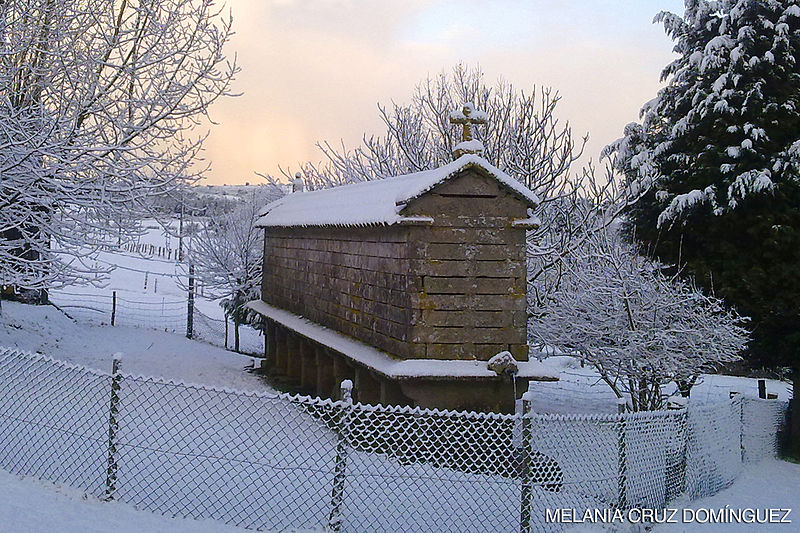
point(227, 252)
point(100, 103)
point(639, 328)
point(523, 136)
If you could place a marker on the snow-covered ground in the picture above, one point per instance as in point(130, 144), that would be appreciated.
point(580, 390)
point(770, 484)
point(151, 293)
point(46, 330)
point(33, 506)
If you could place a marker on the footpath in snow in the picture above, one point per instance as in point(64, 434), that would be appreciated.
point(44, 329)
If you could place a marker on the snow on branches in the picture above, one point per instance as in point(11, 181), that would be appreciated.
point(641, 329)
point(98, 103)
point(227, 251)
point(726, 124)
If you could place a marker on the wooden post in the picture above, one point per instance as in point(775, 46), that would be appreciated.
point(226, 332)
point(678, 469)
point(190, 305)
point(527, 490)
point(180, 232)
point(113, 426)
point(340, 469)
point(762, 389)
point(113, 307)
point(740, 399)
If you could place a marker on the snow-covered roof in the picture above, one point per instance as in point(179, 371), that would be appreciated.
point(376, 202)
point(389, 366)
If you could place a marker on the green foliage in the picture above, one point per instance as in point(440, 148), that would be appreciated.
point(716, 162)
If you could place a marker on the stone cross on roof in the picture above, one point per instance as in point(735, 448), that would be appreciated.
point(467, 117)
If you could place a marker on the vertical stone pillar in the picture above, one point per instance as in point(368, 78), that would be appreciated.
point(341, 370)
point(391, 394)
point(367, 387)
point(281, 349)
point(293, 356)
point(326, 381)
point(270, 345)
point(308, 365)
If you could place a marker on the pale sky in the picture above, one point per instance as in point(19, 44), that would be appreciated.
point(315, 70)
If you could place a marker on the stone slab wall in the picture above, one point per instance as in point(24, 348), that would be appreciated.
point(355, 280)
point(451, 290)
point(472, 265)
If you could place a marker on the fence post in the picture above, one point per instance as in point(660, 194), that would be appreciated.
point(622, 462)
point(525, 496)
point(337, 491)
point(190, 304)
point(113, 426)
point(741, 425)
point(113, 307)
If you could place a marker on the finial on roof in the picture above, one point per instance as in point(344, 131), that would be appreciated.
point(467, 117)
point(298, 185)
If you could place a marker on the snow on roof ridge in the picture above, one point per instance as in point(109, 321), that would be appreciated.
point(377, 201)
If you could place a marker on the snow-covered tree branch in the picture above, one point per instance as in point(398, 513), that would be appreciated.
point(100, 102)
point(524, 137)
point(641, 329)
point(227, 252)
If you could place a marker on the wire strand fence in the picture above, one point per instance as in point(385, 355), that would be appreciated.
point(278, 461)
point(168, 314)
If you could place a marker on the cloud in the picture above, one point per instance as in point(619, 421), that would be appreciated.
point(314, 69)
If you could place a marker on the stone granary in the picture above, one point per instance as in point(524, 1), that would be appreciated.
point(406, 285)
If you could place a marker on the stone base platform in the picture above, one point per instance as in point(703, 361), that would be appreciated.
point(318, 359)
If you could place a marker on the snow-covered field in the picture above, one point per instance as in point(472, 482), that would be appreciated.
point(162, 350)
point(44, 329)
point(33, 506)
point(151, 293)
point(580, 390)
point(770, 484)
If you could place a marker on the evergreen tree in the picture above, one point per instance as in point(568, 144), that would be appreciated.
point(715, 164)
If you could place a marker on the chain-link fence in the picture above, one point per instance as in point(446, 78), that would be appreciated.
point(163, 314)
point(276, 461)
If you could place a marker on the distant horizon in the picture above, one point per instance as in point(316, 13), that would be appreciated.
point(300, 60)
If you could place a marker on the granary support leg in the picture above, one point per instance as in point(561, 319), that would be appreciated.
point(391, 393)
point(281, 348)
point(270, 346)
point(308, 371)
point(368, 388)
point(293, 356)
point(326, 380)
point(341, 370)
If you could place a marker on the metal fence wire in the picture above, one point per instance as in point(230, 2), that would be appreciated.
point(277, 461)
point(161, 314)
